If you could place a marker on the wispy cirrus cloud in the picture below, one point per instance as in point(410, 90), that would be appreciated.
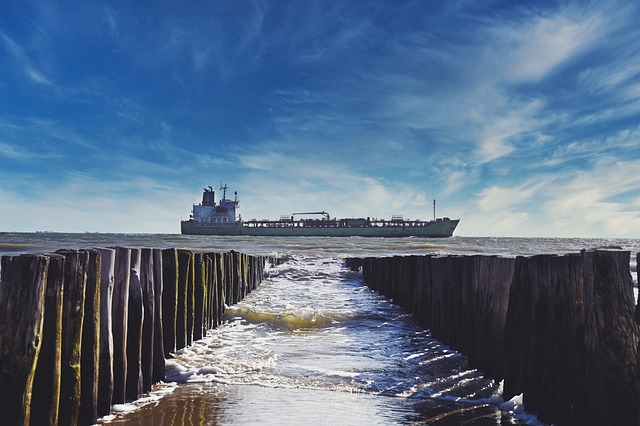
point(577, 200)
point(24, 63)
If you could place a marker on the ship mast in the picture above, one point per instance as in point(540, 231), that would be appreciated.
point(434, 209)
point(224, 190)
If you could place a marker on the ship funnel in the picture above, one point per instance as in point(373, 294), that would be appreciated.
point(208, 198)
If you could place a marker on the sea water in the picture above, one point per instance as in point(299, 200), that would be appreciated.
point(314, 345)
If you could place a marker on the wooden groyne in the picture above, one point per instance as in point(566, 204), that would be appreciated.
point(558, 329)
point(81, 330)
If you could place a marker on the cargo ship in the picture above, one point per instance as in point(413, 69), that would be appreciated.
point(211, 218)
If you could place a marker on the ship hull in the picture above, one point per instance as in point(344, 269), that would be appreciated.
point(434, 229)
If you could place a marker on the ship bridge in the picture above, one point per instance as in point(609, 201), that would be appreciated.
point(210, 212)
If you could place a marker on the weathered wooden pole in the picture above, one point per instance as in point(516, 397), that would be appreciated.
point(236, 279)
point(212, 292)
point(191, 299)
point(94, 333)
point(169, 299)
point(419, 301)
point(221, 286)
point(158, 333)
point(230, 283)
point(244, 275)
point(90, 354)
point(134, 386)
point(561, 394)
point(120, 315)
point(185, 274)
point(46, 385)
point(199, 295)
point(22, 290)
point(105, 375)
point(75, 281)
point(148, 320)
point(611, 338)
point(491, 294)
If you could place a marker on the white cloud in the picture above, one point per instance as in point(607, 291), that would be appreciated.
point(89, 204)
point(495, 198)
point(533, 50)
point(13, 152)
point(24, 63)
point(584, 203)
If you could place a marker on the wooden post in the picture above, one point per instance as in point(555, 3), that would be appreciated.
point(22, 290)
point(105, 375)
point(520, 361)
point(148, 321)
point(46, 385)
point(492, 298)
point(637, 313)
point(213, 294)
point(169, 299)
point(221, 286)
point(199, 296)
point(419, 300)
point(120, 315)
point(134, 329)
point(555, 398)
point(611, 338)
point(185, 268)
point(158, 334)
point(75, 281)
point(101, 312)
point(89, 366)
point(228, 279)
point(191, 299)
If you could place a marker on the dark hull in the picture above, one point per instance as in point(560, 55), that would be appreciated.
point(442, 228)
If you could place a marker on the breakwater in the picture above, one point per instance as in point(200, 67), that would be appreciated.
point(558, 329)
point(81, 330)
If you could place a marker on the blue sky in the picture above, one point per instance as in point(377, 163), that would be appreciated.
point(522, 118)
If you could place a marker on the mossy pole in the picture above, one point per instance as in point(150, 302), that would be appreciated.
point(120, 315)
point(99, 310)
point(211, 291)
point(185, 272)
point(158, 333)
point(90, 356)
point(148, 321)
point(75, 282)
point(221, 277)
point(46, 385)
point(199, 293)
point(169, 299)
point(22, 289)
point(217, 290)
point(191, 299)
point(244, 274)
point(105, 375)
point(228, 279)
point(134, 385)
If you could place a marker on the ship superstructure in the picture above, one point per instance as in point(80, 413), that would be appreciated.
point(209, 218)
point(208, 213)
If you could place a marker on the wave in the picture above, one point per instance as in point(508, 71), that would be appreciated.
point(295, 319)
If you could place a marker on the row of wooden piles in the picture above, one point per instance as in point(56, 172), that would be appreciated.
point(558, 329)
point(82, 330)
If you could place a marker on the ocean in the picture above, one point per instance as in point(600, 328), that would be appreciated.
point(314, 345)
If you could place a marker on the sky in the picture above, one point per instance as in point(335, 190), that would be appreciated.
point(521, 118)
